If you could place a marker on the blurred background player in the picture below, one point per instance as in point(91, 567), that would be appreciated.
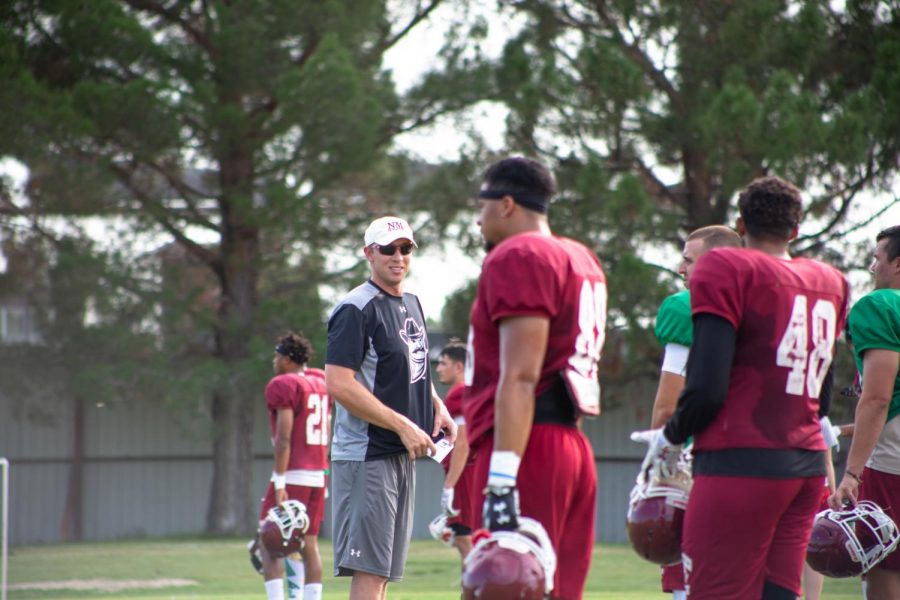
point(675, 332)
point(537, 327)
point(456, 495)
point(764, 331)
point(873, 464)
point(299, 415)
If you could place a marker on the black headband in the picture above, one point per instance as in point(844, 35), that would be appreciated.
point(535, 202)
point(294, 356)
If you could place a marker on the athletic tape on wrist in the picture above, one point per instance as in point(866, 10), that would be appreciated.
point(279, 481)
point(504, 468)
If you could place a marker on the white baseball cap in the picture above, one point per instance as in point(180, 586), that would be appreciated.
point(385, 230)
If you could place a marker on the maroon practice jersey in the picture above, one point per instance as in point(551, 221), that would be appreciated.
point(308, 398)
point(787, 314)
point(454, 399)
point(532, 274)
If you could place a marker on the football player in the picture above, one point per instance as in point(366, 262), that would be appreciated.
point(675, 332)
point(299, 415)
point(456, 496)
point(764, 331)
point(874, 457)
point(537, 327)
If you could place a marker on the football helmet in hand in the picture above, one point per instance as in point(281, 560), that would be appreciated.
point(510, 564)
point(656, 512)
point(440, 531)
point(847, 543)
point(281, 533)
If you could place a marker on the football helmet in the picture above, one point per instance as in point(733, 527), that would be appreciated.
point(656, 512)
point(283, 529)
point(440, 531)
point(517, 564)
point(848, 543)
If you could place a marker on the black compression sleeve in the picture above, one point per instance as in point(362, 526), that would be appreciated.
point(825, 394)
point(706, 382)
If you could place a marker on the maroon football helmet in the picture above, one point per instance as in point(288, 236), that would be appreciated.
point(656, 513)
point(510, 564)
point(848, 543)
point(281, 533)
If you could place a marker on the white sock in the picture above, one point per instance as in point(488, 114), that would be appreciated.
point(679, 595)
point(864, 588)
point(312, 591)
point(275, 589)
point(295, 574)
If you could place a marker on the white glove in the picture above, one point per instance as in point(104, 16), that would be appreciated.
point(447, 502)
point(662, 455)
point(830, 432)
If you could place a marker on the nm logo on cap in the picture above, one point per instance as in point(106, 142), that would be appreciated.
point(395, 226)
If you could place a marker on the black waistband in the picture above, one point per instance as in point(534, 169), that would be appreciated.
point(768, 463)
point(554, 406)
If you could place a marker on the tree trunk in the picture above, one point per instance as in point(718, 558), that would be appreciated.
point(231, 508)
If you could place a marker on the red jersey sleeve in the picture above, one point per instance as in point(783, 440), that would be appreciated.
point(519, 282)
point(280, 394)
point(716, 287)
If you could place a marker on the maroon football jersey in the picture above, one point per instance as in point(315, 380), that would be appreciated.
point(453, 401)
point(308, 398)
point(788, 314)
point(532, 274)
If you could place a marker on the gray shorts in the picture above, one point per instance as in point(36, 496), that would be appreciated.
point(372, 508)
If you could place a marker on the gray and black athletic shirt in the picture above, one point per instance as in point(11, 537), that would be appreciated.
point(382, 337)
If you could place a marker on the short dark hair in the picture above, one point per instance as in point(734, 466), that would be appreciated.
point(521, 174)
point(716, 236)
point(892, 235)
point(295, 346)
point(771, 208)
point(455, 350)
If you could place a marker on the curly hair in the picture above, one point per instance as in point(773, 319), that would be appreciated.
point(295, 346)
point(771, 208)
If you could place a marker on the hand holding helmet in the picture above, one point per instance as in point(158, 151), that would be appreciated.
point(847, 543)
point(662, 455)
point(656, 511)
point(281, 533)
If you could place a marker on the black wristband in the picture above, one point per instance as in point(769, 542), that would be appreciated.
point(501, 509)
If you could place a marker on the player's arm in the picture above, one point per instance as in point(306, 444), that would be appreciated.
point(284, 427)
point(442, 418)
point(880, 368)
point(523, 343)
point(671, 382)
point(706, 383)
point(458, 458)
point(362, 404)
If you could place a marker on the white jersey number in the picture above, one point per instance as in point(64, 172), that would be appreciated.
point(317, 420)
point(581, 372)
point(807, 369)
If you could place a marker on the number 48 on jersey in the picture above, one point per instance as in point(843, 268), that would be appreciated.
point(808, 368)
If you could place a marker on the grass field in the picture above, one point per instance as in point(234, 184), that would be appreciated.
point(222, 571)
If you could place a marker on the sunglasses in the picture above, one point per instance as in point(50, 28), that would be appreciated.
point(390, 249)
